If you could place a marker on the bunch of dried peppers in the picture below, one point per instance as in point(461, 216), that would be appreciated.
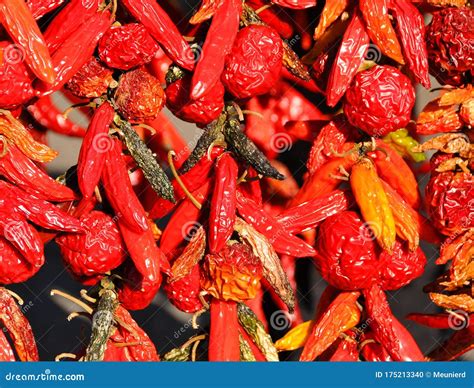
point(335, 77)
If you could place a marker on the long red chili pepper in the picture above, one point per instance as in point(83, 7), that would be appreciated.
point(39, 8)
point(295, 4)
point(119, 190)
point(411, 29)
point(93, 150)
point(76, 50)
point(21, 234)
point(162, 29)
point(282, 241)
point(66, 22)
point(219, 41)
point(224, 334)
point(223, 204)
point(6, 352)
point(45, 113)
point(436, 321)
point(18, 327)
point(21, 26)
point(39, 211)
point(324, 180)
point(307, 215)
point(18, 169)
point(387, 329)
point(351, 54)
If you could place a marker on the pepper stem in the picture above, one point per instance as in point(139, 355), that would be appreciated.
point(193, 200)
point(72, 299)
point(61, 356)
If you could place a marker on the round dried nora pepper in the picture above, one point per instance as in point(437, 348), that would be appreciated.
point(201, 111)
point(139, 96)
point(380, 100)
point(449, 198)
point(13, 267)
point(255, 62)
point(127, 46)
point(184, 293)
point(97, 251)
point(347, 252)
point(14, 72)
point(401, 267)
point(450, 43)
point(92, 80)
point(232, 274)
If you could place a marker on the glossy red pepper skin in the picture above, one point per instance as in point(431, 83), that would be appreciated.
point(280, 21)
point(243, 78)
point(162, 29)
point(14, 71)
point(411, 30)
point(184, 293)
point(223, 203)
point(95, 252)
point(346, 252)
point(224, 334)
point(388, 331)
point(127, 46)
point(39, 8)
point(18, 327)
point(435, 321)
point(201, 111)
point(66, 22)
point(45, 113)
point(371, 350)
point(393, 169)
point(379, 114)
point(136, 291)
point(351, 54)
point(219, 40)
point(119, 190)
point(6, 352)
point(14, 268)
point(23, 172)
point(94, 149)
point(16, 18)
point(75, 50)
point(282, 241)
point(309, 214)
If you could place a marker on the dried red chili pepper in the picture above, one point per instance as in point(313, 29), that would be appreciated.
point(379, 27)
point(223, 203)
point(14, 71)
point(247, 79)
point(45, 113)
point(411, 30)
point(23, 172)
point(219, 40)
point(393, 169)
point(184, 293)
point(224, 333)
point(95, 252)
point(280, 21)
point(39, 8)
point(18, 327)
point(91, 80)
point(386, 110)
point(201, 111)
point(127, 46)
point(309, 214)
point(66, 22)
point(139, 96)
point(436, 321)
point(6, 352)
point(371, 350)
point(342, 314)
point(16, 18)
point(346, 255)
point(295, 4)
point(373, 202)
point(162, 29)
point(94, 149)
point(119, 190)
point(137, 291)
point(387, 329)
point(330, 141)
point(351, 54)
point(75, 49)
point(14, 268)
point(326, 179)
point(282, 241)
